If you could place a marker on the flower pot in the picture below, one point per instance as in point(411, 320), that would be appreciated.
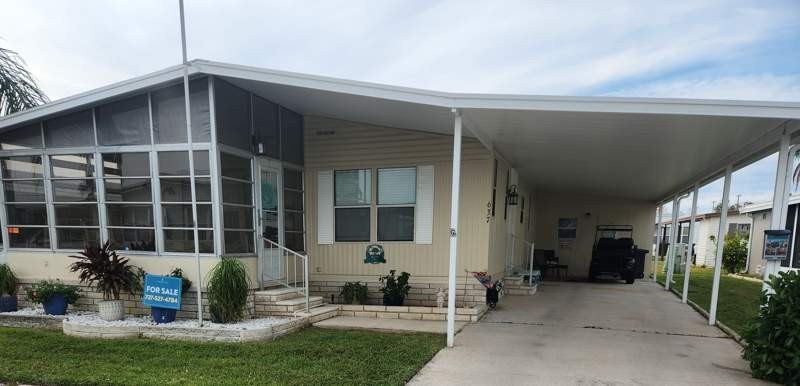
point(393, 300)
point(8, 303)
point(56, 305)
point(163, 315)
point(112, 310)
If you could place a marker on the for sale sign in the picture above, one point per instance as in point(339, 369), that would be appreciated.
point(162, 291)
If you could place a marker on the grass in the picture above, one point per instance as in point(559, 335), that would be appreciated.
point(310, 357)
point(739, 300)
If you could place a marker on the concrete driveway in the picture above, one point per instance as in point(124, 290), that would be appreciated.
point(590, 334)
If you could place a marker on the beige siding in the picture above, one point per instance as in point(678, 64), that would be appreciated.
point(761, 222)
point(334, 144)
point(590, 212)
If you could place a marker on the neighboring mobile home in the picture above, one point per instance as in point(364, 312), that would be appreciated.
point(327, 168)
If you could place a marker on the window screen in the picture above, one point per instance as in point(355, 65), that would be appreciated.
point(169, 113)
point(26, 209)
point(397, 189)
point(129, 201)
point(352, 203)
point(72, 130)
point(124, 122)
point(26, 137)
point(237, 204)
point(74, 200)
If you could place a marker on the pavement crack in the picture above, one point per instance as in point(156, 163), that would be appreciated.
point(593, 327)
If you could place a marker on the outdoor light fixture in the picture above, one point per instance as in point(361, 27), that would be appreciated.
point(512, 197)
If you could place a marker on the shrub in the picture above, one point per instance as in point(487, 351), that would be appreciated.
point(394, 288)
point(354, 290)
point(8, 280)
point(102, 269)
point(228, 288)
point(42, 291)
point(773, 340)
point(185, 283)
point(734, 253)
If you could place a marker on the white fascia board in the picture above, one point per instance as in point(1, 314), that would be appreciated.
point(93, 96)
point(600, 104)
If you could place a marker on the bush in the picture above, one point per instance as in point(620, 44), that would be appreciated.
point(8, 281)
point(394, 288)
point(105, 271)
point(186, 284)
point(354, 290)
point(773, 340)
point(228, 288)
point(42, 291)
point(734, 253)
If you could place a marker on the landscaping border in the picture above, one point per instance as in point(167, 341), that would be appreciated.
point(463, 314)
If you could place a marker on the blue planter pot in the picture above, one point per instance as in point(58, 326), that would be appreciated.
point(8, 303)
point(56, 305)
point(162, 315)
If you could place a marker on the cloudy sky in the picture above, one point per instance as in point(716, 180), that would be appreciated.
point(696, 49)
point(700, 49)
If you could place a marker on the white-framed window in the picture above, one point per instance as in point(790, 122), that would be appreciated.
point(352, 205)
point(176, 201)
point(129, 201)
point(293, 209)
point(396, 204)
point(26, 202)
point(72, 180)
point(237, 203)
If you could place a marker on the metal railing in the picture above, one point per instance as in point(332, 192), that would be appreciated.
point(281, 259)
point(519, 259)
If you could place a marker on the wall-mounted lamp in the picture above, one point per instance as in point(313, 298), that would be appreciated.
point(512, 197)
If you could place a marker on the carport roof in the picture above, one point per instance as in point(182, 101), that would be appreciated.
point(641, 148)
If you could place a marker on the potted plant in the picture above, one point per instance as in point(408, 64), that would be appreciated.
point(228, 288)
point(394, 288)
point(167, 315)
point(8, 289)
point(108, 273)
point(354, 293)
point(54, 296)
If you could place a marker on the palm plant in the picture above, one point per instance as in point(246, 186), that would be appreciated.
point(18, 88)
point(103, 269)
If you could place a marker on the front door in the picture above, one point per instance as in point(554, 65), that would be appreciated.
point(270, 218)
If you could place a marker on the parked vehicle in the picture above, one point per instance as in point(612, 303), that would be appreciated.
point(615, 254)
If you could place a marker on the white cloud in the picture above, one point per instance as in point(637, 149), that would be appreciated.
point(757, 87)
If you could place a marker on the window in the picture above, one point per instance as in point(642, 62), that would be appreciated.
point(293, 234)
point(237, 204)
point(685, 233)
point(26, 209)
point(74, 201)
point(26, 137)
point(352, 203)
point(232, 114)
point(567, 228)
point(124, 122)
point(129, 201)
point(74, 130)
point(169, 113)
point(177, 204)
point(743, 230)
point(397, 197)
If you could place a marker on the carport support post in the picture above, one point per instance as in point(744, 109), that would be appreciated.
point(687, 267)
point(723, 220)
point(451, 277)
point(673, 238)
point(779, 201)
point(658, 242)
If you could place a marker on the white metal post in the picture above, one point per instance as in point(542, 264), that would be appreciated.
point(687, 267)
point(187, 106)
point(723, 219)
point(779, 198)
point(658, 242)
point(673, 237)
point(451, 277)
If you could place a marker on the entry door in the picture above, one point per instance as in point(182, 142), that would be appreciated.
point(271, 219)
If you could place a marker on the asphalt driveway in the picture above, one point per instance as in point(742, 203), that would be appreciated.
point(590, 334)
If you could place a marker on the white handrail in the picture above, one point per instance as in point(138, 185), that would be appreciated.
point(304, 258)
point(513, 265)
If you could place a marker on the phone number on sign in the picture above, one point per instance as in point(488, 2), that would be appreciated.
point(160, 299)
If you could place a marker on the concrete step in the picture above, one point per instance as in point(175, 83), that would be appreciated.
point(520, 290)
point(276, 294)
point(299, 303)
point(320, 313)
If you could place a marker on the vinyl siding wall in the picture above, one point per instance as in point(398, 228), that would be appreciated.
point(336, 144)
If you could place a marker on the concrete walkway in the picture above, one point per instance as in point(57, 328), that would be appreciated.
point(387, 325)
point(590, 334)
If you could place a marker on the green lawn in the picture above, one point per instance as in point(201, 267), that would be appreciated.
point(310, 357)
point(739, 300)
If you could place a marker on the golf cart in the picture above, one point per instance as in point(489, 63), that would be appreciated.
point(615, 254)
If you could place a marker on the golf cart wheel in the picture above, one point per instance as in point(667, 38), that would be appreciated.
point(491, 305)
point(629, 279)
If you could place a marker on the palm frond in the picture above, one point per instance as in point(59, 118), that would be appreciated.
point(18, 88)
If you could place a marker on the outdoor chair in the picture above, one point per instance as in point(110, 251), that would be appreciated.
point(546, 260)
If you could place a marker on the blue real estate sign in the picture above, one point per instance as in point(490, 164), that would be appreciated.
point(162, 291)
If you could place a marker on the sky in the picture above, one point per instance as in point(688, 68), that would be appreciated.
point(689, 49)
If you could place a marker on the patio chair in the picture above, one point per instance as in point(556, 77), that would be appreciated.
point(546, 260)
